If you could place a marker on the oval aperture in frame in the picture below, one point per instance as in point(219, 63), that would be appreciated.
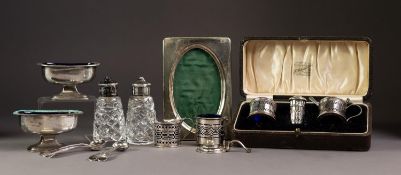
point(197, 87)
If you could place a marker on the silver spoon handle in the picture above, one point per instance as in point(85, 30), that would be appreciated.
point(230, 143)
point(110, 151)
point(313, 100)
point(54, 152)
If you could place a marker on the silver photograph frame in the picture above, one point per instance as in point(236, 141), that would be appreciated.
point(174, 49)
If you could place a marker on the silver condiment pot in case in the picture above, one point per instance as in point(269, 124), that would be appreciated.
point(297, 109)
point(333, 106)
point(263, 106)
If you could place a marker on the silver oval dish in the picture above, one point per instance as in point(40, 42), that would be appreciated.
point(69, 75)
point(61, 65)
point(47, 123)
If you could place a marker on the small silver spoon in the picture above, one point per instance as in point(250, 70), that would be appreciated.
point(93, 145)
point(104, 156)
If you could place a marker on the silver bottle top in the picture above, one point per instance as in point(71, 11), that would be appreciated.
point(141, 87)
point(299, 99)
point(108, 88)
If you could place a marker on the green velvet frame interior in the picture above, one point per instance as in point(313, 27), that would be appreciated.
point(196, 85)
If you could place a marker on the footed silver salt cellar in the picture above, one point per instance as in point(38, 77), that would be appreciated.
point(141, 115)
point(109, 121)
point(48, 124)
point(69, 75)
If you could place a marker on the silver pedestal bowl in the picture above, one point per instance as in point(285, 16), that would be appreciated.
point(47, 123)
point(69, 75)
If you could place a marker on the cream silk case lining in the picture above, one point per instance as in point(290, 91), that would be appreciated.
point(308, 68)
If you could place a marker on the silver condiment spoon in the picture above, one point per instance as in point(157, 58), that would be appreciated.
point(93, 145)
point(104, 156)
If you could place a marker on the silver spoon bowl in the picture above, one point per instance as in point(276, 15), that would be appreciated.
point(104, 156)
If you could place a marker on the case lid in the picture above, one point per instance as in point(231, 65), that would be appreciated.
point(305, 67)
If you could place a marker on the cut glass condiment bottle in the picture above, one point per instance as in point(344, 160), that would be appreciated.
point(109, 121)
point(141, 115)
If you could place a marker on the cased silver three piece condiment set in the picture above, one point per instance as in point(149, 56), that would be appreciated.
point(294, 91)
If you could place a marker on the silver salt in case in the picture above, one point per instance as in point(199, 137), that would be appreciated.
point(334, 106)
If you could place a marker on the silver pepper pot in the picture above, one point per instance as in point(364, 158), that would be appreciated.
point(297, 109)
